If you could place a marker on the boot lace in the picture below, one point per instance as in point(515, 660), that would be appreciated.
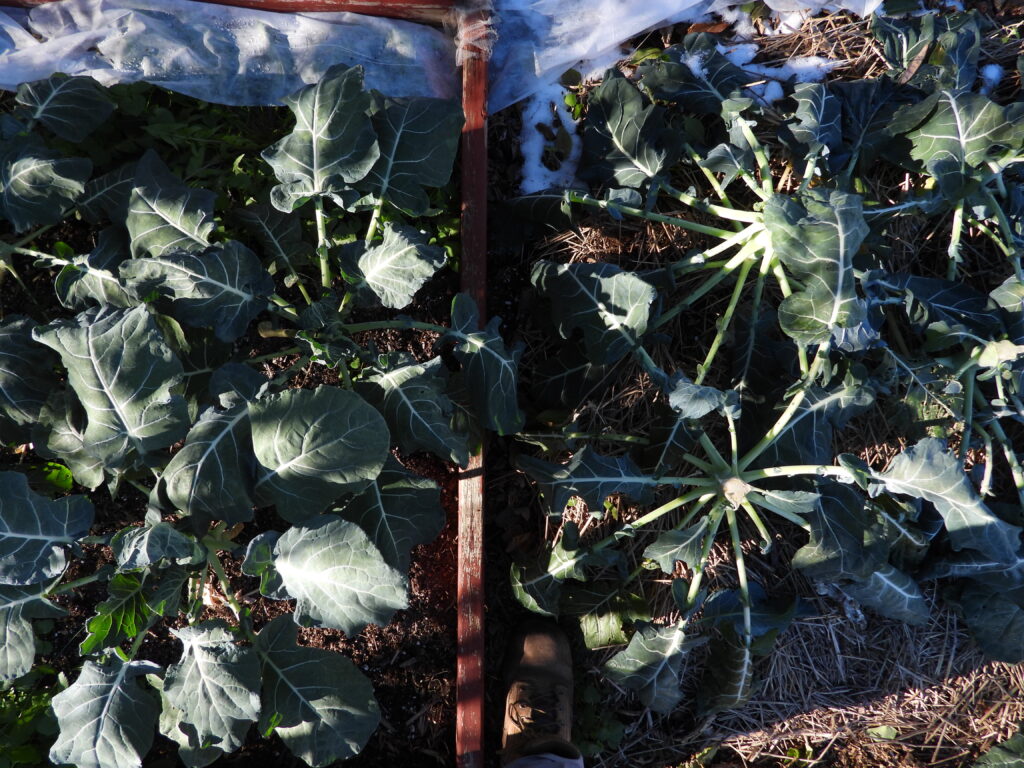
point(537, 710)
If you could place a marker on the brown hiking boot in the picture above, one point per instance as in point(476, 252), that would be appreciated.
point(538, 707)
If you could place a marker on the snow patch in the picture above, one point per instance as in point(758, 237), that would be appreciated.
point(541, 108)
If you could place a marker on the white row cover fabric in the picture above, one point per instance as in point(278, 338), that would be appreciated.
point(240, 56)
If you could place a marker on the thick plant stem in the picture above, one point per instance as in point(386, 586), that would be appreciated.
point(821, 470)
point(322, 245)
point(371, 231)
point(225, 584)
point(967, 382)
point(696, 159)
point(741, 572)
point(711, 209)
point(762, 159)
point(73, 585)
point(605, 205)
point(1007, 446)
point(714, 521)
point(717, 459)
point(755, 308)
point(953, 251)
point(739, 238)
point(398, 324)
point(1006, 228)
point(783, 421)
point(723, 322)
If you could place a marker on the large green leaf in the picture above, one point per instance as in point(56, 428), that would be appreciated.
point(867, 110)
point(320, 705)
point(397, 511)
point(411, 397)
point(337, 576)
point(489, 368)
point(36, 531)
point(140, 546)
point(927, 471)
point(164, 214)
point(685, 546)
point(611, 307)
point(123, 374)
point(60, 434)
point(995, 618)
point(603, 610)
point(106, 718)
point(107, 196)
point(391, 272)
point(623, 139)
point(590, 476)
point(817, 125)
point(816, 238)
point(538, 584)
point(71, 107)
point(26, 377)
point(332, 145)
point(279, 236)
point(224, 287)
point(210, 478)
point(17, 640)
point(891, 593)
point(651, 665)
point(91, 279)
point(313, 446)
point(215, 685)
point(38, 186)
point(694, 74)
point(836, 550)
point(1005, 754)
point(418, 139)
point(807, 436)
point(121, 616)
point(964, 131)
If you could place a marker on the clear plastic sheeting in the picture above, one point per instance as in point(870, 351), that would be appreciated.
point(222, 54)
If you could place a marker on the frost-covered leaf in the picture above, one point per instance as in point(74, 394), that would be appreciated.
point(611, 307)
point(928, 472)
point(651, 665)
point(398, 510)
point(71, 107)
point(121, 616)
point(215, 685)
point(210, 478)
point(165, 215)
point(26, 378)
point(106, 718)
point(332, 145)
point(490, 369)
point(141, 546)
point(223, 287)
point(623, 139)
point(91, 279)
point(38, 186)
point(411, 397)
point(35, 531)
point(685, 546)
point(17, 640)
point(590, 476)
point(816, 238)
point(337, 576)
point(418, 139)
point(313, 446)
point(603, 609)
point(891, 593)
point(694, 75)
point(320, 705)
point(391, 272)
point(123, 374)
point(817, 114)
